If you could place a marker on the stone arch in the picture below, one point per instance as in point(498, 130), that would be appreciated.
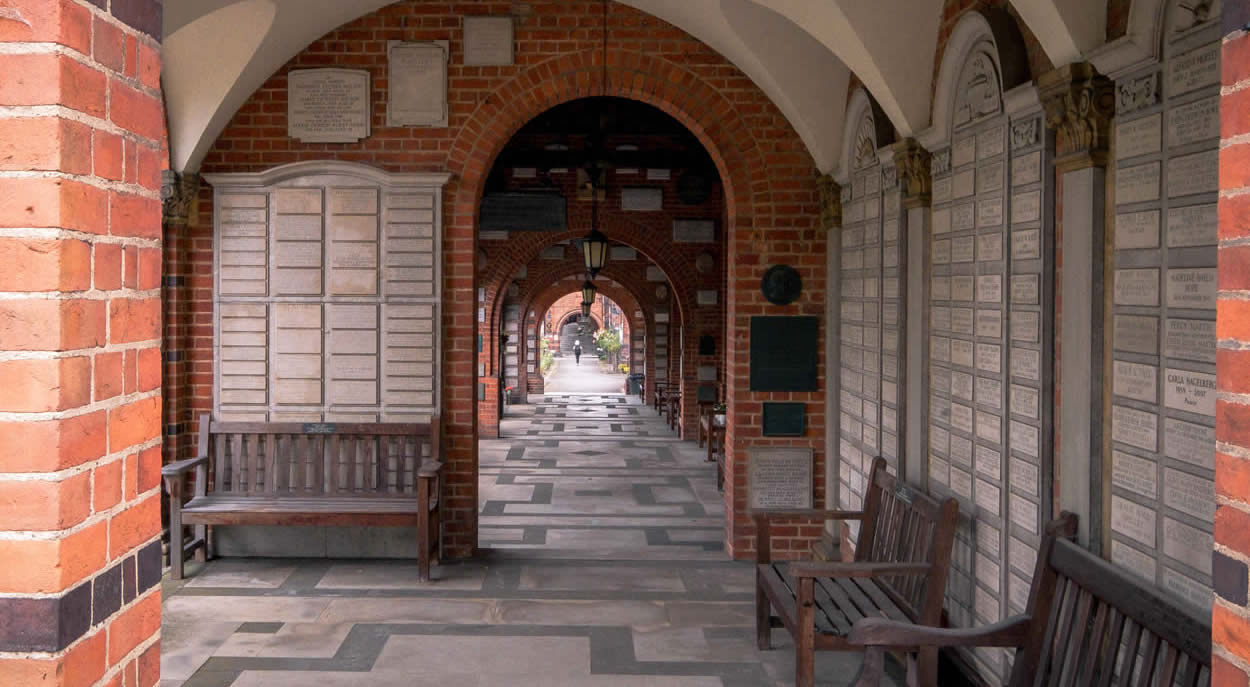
point(860, 108)
point(989, 29)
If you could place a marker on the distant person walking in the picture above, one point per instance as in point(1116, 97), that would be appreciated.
point(577, 352)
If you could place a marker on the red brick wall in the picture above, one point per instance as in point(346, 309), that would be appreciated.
point(770, 191)
point(80, 363)
point(1230, 616)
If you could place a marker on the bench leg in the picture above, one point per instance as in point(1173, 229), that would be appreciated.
point(763, 616)
point(926, 669)
point(805, 642)
point(175, 543)
point(201, 532)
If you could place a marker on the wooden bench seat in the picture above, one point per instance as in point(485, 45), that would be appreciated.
point(1086, 621)
point(328, 474)
point(899, 574)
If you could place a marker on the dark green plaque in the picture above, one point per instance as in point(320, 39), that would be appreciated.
point(784, 419)
point(320, 428)
point(785, 353)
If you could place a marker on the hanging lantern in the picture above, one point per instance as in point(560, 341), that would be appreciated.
point(588, 293)
point(595, 251)
point(585, 310)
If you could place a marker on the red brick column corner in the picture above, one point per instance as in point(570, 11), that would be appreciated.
point(80, 333)
point(1230, 616)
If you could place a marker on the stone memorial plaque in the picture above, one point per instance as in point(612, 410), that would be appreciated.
point(964, 249)
point(942, 221)
point(1189, 494)
point(353, 201)
point(487, 41)
point(989, 540)
point(989, 462)
point(1026, 207)
point(989, 212)
point(939, 470)
point(1135, 427)
point(990, 288)
point(964, 151)
point(940, 289)
point(961, 417)
point(1136, 334)
point(1137, 184)
point(963, 288)
point(623, 253)
point(642, 199)
point(1026, 169)
point(987, 498)
point(1026, 244)
point(1141, 136)
point(1192, 288)
point(1189, 442)
point(990, 178)
point(707, 297)
point(941, 319)
point(1134, 230)
point(961, 352)
point(1135, 381)
point(939, 438)
point(655, 274)
point(1196, 173)
point(1026, 289)
point(941, 252)
point(1195, 69)
point(964, 184)
point(962, 387)
point(1133, 560)
point(964, 217)
point(1022, 556)
point(1192, 225)
point(961, 451)
point(1025, 476)
point(990, 247)
point(1025, 439)
point(962, 321)
point(1023, 513)
point(328, 105)
point(1026, 401)
point(989, 426)
point(941, 349)
point(961, 484)
point(1026, 364)
point(1134, 474)
point(990, 323)
point(1190, 340)
point(1026, 326)
point(1193, 392)
point(780, 477)
point(941, 190)
point(1189, 545)
point(1133, 520)
point(991, 143)
point(1017, 593)
point(1196, 593)
point(417, 79)
point(694, 231)
point(1194, 122)
point(1137, 287)
point(297, 201)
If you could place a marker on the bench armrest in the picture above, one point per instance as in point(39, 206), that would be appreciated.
point(178, 467)
point(810, 513)
point(429, 468)
point(859, 569)
point(893, 634)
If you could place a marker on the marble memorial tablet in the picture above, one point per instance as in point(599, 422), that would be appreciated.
point(1026, 207)
point(1189, 340)
point(1135, 381)
point(1140, 136)
point(1189, 391)
point(328, 105)
point(963, 217)
point(642, 199)
point(989, 212)
point(1192, 288)
point(990, 392)
point(961, 417)
point(962, 321)
point(1135, 427)
point(989, 461)
point(963, 184)
point(964, 151)
point(1025, 401)
point(990, 247)
point(1026, 244)
point(488, 41)
point(1189, 442)
point(989, 426)
point(1026, 326)
point(1196, 173)
point(1194, 122)
point(987, 497)
point(940, 349)
point(1192, 225)
point(991, 143)
point(780, 477)
point(1026, 289)
point(942, 252)
point(1133, 520)
point(1133, 560)
point(417, 78)
point(1136, 334)
point(1137, 184)
point(1023, 513)
point(1195, 69)
point(990, 178)
point(1026, 169)
point(1137, 287)
point(961, 385)
point(1137, 475)
point(990, 288)
point(1135, 230)
point(1196, 593)
point(963, 249)
point(990, 323)
point(1189, 545)
point(1189, 494)
point(961, 484)
point(942, 221)
point(694, 231)
point(941, 190)
point(1026, 364)
point(1025, 439)
point(961, 352)
point(962, 288)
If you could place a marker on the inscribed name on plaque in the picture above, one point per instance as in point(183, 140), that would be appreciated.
point(780, 477)
point(417, 74)
point(328, 105)
point(488, 41)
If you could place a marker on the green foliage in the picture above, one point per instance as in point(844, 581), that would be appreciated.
point(546, 361)
point(608, 340)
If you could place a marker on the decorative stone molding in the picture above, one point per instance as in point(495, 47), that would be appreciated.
point(941, 162)
point(1079, 104)
point(889, 178)
point(830, 202)
point(913, 165)
point(178, 194)
point(1136, 94)
point(1024, 132)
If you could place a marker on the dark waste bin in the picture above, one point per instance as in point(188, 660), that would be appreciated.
point(635, 381)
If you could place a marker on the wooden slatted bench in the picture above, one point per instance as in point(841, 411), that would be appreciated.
point(258, 473)
point(899, 572)
point(660, 398)
point(1088, 623)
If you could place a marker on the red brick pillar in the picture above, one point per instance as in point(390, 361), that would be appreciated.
point(80, 330)
point(1231, 617)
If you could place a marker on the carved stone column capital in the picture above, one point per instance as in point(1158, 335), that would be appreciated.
point(914, 173)
point(1079, 105)
point(178, 194)
point(830, 202)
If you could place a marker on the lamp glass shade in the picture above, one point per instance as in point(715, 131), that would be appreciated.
point(595, 251)
point(588, 292)
point(585, 310)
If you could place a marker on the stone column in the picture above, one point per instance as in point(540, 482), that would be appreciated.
point(1079, 105)
point(914, 167)
point(831, 222)
point(178, 196)
point(80, 331)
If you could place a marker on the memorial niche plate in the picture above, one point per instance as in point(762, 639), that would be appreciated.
point(1135, 381)
point(1194, 122)
point(1193, 392)
point(1137, 184)
point(328, 105)
point(1190, 340)
point(1193, 225)
point(784, 353)
point(1136, 334)
point(1139, 136)
point(783, 419)
point(1137, 230)
point(1026, 326)
point(1137, 287)
point(488, 41)
point(417, 74)
point(1192, 288)
point(1026, 244)
point(1196, 173)
point(1134, 474)
point(1189, 442)
point(1026, 169)
point(779, 478)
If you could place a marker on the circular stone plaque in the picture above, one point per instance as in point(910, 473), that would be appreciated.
point(781, 285)
point(704, 263)
point(661, 292)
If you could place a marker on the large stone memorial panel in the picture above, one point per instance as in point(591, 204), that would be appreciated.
point(779, 477)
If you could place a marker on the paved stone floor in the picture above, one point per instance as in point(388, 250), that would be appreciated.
point(605, 568)
point(587, 378)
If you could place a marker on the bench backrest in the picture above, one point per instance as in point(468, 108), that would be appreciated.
point(304, 459)
point(1093, 621)
point(903, 525)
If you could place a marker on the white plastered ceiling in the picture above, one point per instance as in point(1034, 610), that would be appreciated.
point(799, 52)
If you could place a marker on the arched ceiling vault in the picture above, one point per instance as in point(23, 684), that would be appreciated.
point(218, 52)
